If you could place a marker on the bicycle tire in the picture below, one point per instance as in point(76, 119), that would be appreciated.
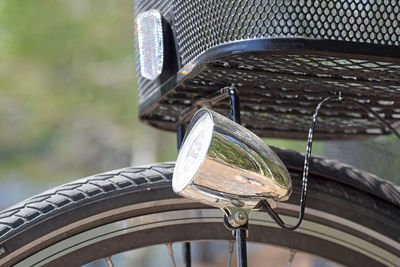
point(352, 217)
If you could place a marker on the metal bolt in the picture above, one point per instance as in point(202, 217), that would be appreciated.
point(239, 218)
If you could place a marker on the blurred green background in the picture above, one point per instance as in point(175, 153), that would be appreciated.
point(68, 105)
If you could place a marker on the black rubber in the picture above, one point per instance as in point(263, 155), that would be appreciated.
point(334, 188)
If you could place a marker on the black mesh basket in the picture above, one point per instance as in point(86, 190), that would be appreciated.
point(283, 57)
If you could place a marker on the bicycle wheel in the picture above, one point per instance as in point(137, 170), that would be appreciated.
point(352, 217)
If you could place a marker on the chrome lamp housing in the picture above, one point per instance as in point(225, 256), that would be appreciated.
point(222, 164)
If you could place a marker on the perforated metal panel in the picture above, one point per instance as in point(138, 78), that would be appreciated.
point(280, 88)
point(202, 24)
point(279, 93)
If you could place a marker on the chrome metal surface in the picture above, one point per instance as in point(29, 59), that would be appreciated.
point(238, 169)
point(238, 218)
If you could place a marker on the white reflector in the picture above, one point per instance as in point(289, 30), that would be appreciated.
point(151, 47)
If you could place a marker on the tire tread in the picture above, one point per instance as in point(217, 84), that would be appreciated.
point(30, 210)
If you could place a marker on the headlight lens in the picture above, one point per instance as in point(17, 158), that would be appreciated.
point(193, 152)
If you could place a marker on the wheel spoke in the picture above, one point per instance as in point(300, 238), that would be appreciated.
point(109, 262)
point(171, 254)
point(230, 252)
point(291, 257)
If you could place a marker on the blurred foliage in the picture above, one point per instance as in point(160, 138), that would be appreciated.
point(68, 104)
point(298, 145)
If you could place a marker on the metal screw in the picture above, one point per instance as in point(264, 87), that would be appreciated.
point(239, 218)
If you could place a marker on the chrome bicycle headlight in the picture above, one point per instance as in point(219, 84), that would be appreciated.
point(223, 164)
point(151, 43)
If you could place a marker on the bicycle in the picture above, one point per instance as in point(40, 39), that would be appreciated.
point(282, 57)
